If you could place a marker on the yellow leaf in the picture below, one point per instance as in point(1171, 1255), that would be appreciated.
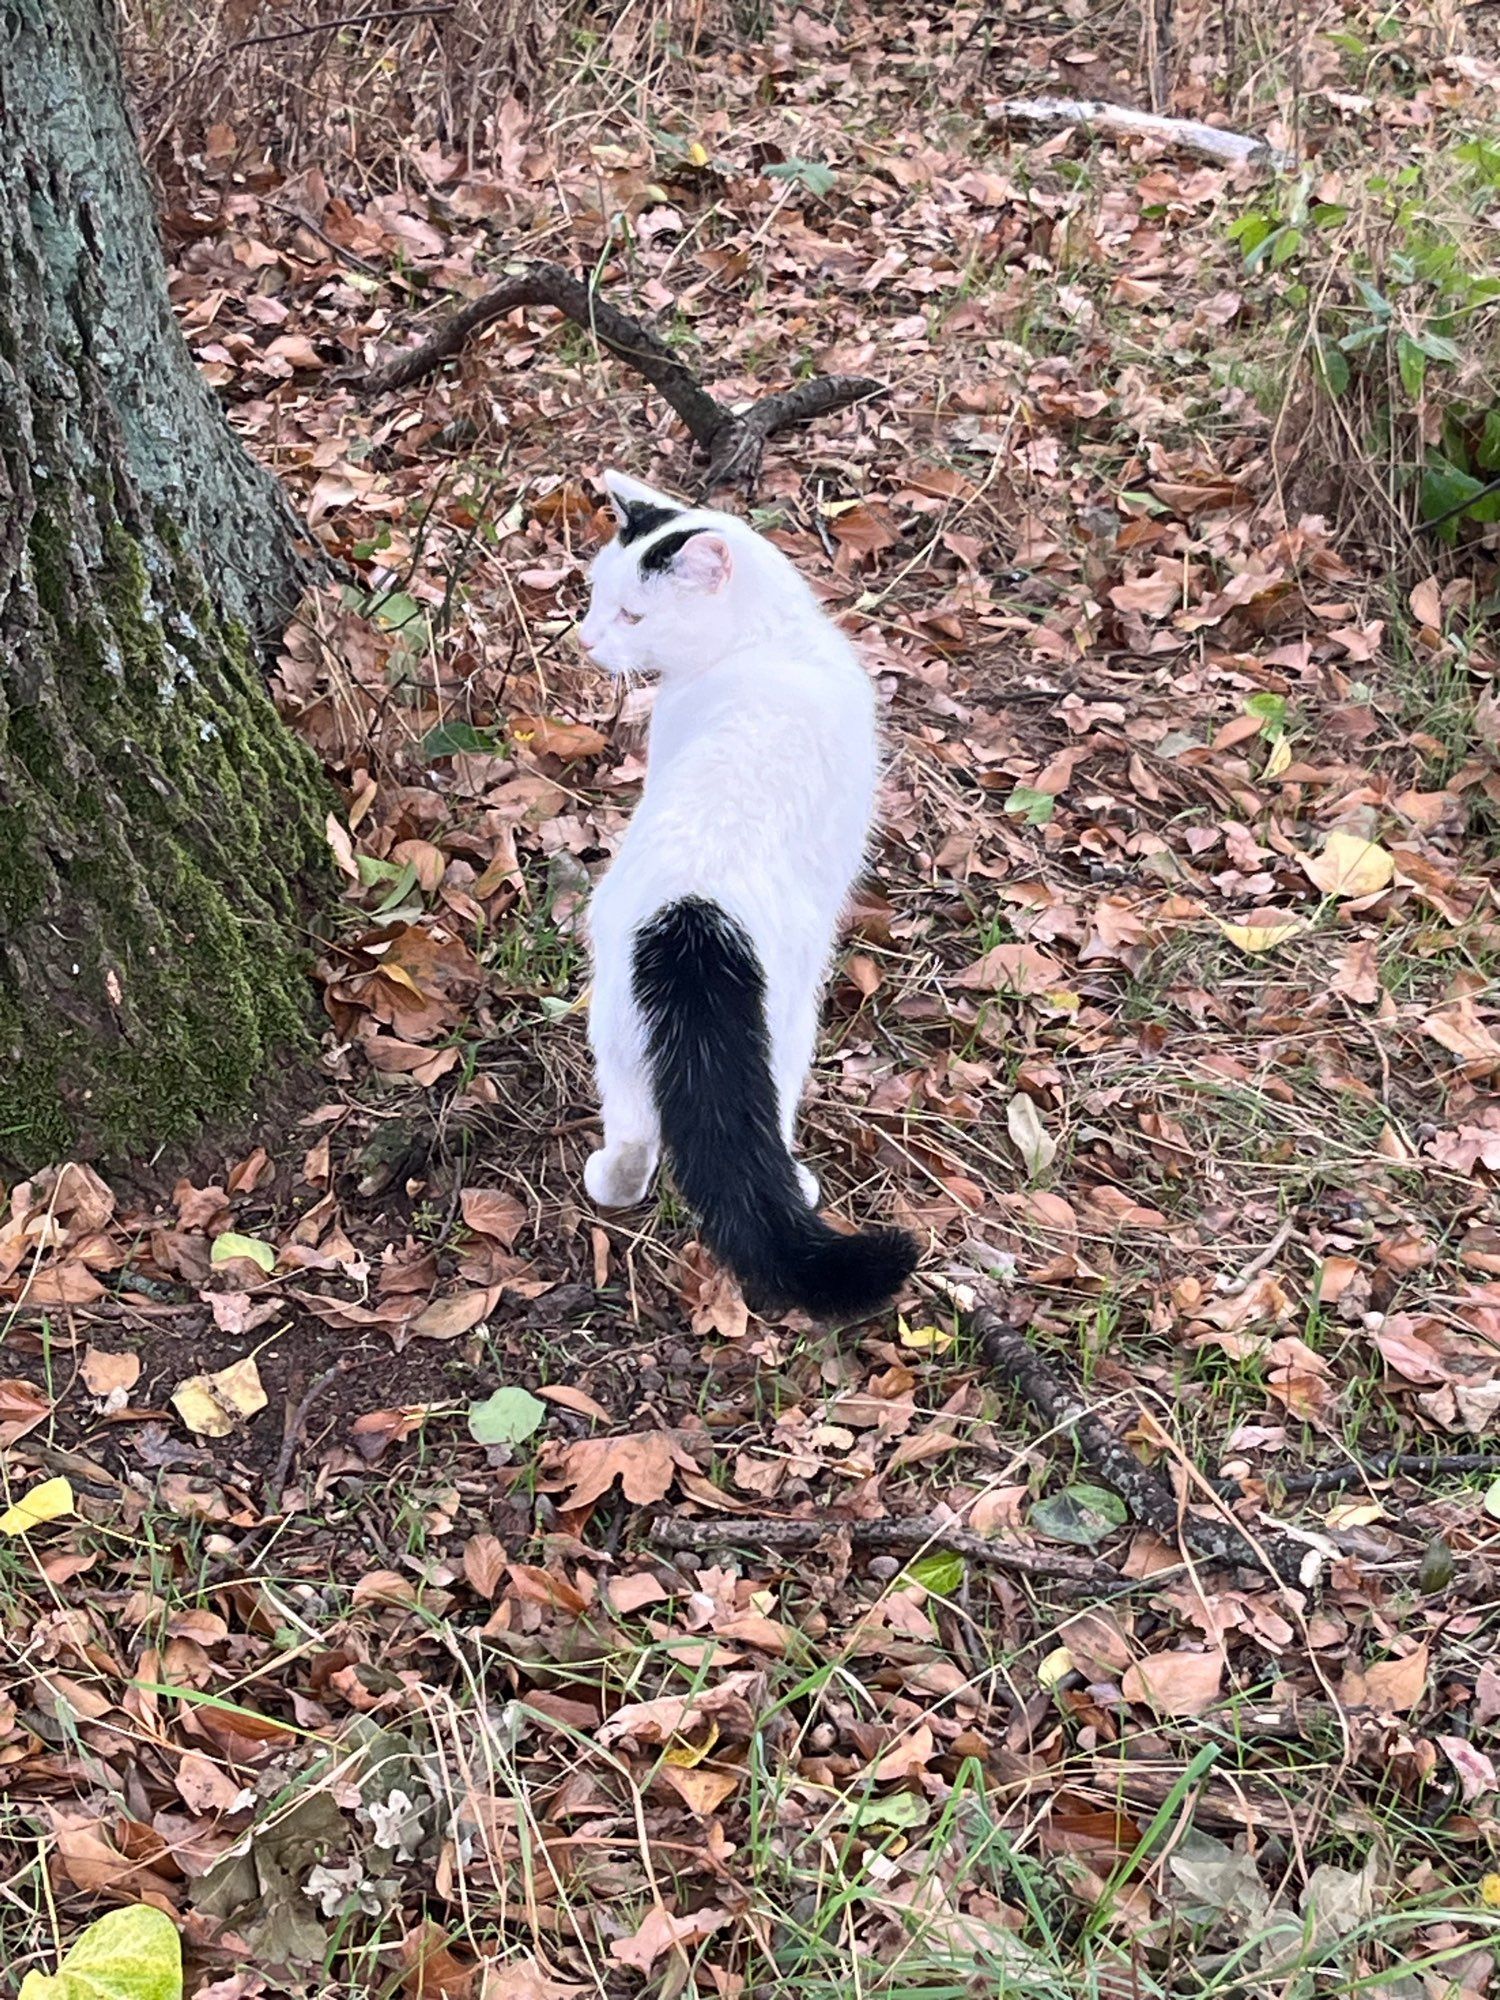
point(1349, 866)
point(129, 1954)
point(696, 155)
point(1262, 937)
point(924, 1339)
point(683, 1756)
point(1489, 1895)
point(1056, 1667)
point(250, 1247)
point(214, 1405)
point(47, 1502)
point(1279, 759)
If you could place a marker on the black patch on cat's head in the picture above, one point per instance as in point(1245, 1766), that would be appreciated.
point(658, 558)
point(642, 518)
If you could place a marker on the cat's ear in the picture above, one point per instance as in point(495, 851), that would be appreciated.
point(704, 563)
point(627, 495)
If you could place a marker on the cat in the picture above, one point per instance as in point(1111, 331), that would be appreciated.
point(712, 931)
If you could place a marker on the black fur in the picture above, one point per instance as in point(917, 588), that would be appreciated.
point(701, 992)
point(642, 518)
point(657, 560)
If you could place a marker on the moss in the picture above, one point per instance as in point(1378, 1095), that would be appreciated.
point(159, 850)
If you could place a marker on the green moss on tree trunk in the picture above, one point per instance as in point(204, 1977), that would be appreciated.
point(160, 830)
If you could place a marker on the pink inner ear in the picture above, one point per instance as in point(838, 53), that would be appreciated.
point(704, 562)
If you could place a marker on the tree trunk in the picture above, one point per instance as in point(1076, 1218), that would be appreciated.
point(160, 830)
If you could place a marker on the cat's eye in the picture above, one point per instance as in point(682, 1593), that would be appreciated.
point(631, 617)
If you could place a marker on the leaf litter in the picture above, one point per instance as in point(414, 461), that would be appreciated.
point(1165, 1010)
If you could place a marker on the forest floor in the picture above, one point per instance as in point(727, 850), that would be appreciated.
point(1168, 1019)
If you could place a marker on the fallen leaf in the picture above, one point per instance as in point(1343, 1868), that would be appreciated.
point(214, 1405)
point(1029, 1135)
point(446, 1319)
point(1396, 1686)
point(545, 736)
point(104, 1373)
point(1349, 866)
point(22, 1408)
point(1357, 974)
point(1011, 968)
point(48, 1502)
point(509, 1416)
point(662, 1932)
point(249, 1247)
point(643, 1462)
point(129, 1954)
point(1175, 1684)
point(484, 1564)
point(1256, 938)
point(492, 1212)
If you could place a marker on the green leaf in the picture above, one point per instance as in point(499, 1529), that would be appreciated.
point(1444, 492)
point(1269, 709)
point(507, 1417)
point(1411, 364)
point(1288, 243)
point(401, 888)
point(941, 1571)
point(229, 1245)
point(1487, 451)
point(1333, 368)
point(1326, 214)
point(449, 739)
point(810, 174)
point(899, 1811)
point(1084, 1515)
point(1035, 807)
point(1438, 347)
point(129, 1954)
point(397, 611)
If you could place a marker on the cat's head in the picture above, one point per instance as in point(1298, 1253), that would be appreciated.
point(676, 586)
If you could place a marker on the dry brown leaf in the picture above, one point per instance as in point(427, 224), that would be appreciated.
point(578, 1400)
point(1011, 968)
point(1459, 1029)
point(1175, 1684)
point(662, 1933)
point(446, 1319)
point(546, 736)
point(205, 1788)
point(1357, 974)
point(22, 1408)
point(104, 1373)
point(1396, 1686)
point(493, 1212)
point(484, 1564)
point(642, 1461)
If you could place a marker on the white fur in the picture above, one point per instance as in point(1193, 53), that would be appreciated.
point(759, 793)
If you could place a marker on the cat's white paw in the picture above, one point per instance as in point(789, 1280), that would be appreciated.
point(807, 1180)
point(619, 1179)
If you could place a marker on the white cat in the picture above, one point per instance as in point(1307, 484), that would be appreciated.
point(712, 931)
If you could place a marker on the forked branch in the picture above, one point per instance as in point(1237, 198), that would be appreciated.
point(732, 441)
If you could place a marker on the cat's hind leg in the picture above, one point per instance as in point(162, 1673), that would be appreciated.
point(792, 1054)
point(619, 1174)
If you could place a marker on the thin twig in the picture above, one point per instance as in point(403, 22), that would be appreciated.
point(1233, 149)
point(1387, 1465)
point(1071, 1572)
point(1149, 1499)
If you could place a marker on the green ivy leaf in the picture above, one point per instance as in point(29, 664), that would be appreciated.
point(129, 1954)
point(1269, 709)
point(450, 739)
point(941, 1571)
point(508, 1417)
point(1083, 1515)
point(810, 174)
point(1036, 808)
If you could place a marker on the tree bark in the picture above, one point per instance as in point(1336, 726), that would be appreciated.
point(160, 830)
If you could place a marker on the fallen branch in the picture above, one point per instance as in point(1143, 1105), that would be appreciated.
point(1071, 1572)
point(732, 441)
point(1386, 1465)
point(1150, 1501)
point(1117, 121)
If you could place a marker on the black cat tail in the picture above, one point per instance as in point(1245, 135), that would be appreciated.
point(701, 992)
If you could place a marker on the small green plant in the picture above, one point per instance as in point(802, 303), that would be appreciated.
point(1397, 305)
